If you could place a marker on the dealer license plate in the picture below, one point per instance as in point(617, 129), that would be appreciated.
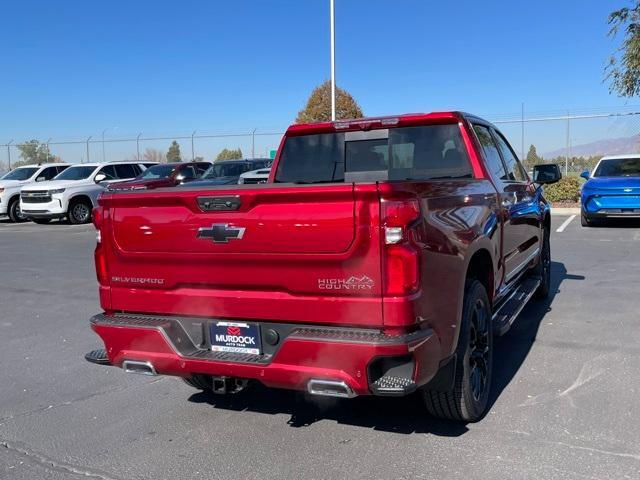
point(236, 337)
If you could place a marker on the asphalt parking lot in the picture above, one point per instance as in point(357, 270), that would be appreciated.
point(564, 401)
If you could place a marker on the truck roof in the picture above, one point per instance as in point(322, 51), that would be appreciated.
point(621, 157)
point(366, 123)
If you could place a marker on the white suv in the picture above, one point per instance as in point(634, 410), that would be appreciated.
point(12, 182)
point(255, 176)
point(74, 192)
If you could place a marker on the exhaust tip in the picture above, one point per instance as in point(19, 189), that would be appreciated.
point(330, 388)
point(141, 368)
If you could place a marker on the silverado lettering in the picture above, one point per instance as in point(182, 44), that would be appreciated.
point(380, 258)
point(150, 281)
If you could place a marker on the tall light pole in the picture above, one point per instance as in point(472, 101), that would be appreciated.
point(103, 131)
point(253, 143)
point(47, 144)
point(333, 60)
point(566, 157)
point(138, 146)
point(522, 133)
point(9, 152)
point(88, 147)
point(192, 150)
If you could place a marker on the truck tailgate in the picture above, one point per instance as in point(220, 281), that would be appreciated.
point(303, 253)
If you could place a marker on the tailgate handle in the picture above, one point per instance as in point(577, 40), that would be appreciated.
point(219, 204)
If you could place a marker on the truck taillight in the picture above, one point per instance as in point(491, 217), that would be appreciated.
point(96, 217)
point(401, 255)
point(101, 265)
point(99, 256)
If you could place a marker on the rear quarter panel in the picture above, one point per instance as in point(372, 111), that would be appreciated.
point(460, 218)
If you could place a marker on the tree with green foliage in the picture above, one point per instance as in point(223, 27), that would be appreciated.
point(623, 68)
point(34, 152)
point(173, 154)
point(532, 157)
point(227, 154)
point(318, 107)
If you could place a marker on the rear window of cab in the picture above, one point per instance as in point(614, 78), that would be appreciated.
point(407, 153)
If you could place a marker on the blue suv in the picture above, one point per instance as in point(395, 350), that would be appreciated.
point(612, 190)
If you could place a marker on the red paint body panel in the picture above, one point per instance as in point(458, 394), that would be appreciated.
point(297, 361)
point(301, 245)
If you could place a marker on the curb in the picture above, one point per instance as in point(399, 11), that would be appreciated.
point(565, 211)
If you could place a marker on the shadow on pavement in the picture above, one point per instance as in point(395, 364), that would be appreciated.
point(398, 415)
point(618, 223)
point(5, 220)
point(511, 350)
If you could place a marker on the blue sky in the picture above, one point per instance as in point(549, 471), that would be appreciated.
point(75, 68)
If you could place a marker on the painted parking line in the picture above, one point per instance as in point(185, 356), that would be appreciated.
point(565, 224)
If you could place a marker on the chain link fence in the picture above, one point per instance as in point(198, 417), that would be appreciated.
point(254, 143)
point(576, 140)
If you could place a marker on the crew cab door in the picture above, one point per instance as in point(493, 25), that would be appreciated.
point(521, 223)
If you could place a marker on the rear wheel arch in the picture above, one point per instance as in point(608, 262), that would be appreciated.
point(81, 196)
point(480, 267)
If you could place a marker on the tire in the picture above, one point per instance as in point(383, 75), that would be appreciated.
point(199, 382)
point(543, 269)
point(467, 400)
point(586, 221)
point(41, 221)
point(79, 212)
point(13, 211)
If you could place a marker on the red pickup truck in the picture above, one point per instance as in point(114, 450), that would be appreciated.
point(380, 259)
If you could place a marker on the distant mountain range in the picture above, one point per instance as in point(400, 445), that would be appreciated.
point(614, 146)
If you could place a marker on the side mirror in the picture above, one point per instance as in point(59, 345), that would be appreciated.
point(40, 179)
point(585, 174)
point(546, 173)
point(99, 178)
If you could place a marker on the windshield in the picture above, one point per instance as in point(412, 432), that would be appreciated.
point(620, 167)
point(20, 174)
point(158, 171)
point(410, 153)
point(75, 173)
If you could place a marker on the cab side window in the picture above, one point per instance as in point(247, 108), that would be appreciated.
point(126, 171)
point(48, 173)
point(491, 153)
point(188, 173)
point(109, 172)
point(515, 171)
point(201, 168)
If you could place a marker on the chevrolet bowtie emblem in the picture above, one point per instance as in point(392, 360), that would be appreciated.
point(221, 233)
